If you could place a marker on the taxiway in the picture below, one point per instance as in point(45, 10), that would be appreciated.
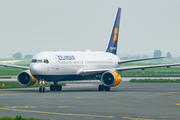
point(140, 101)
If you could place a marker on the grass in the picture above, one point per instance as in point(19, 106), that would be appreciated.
point(9, 71)
point(5, 77)
point(13, 71)
point(155, 81)
point(153, 72)
point(150, 73)
point(18, 118)
point(17, 85)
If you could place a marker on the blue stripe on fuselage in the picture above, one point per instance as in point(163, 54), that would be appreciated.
point(59, 77)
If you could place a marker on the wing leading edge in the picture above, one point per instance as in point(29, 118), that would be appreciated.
point(15, 66)
point(87, 72)
point(141, 59)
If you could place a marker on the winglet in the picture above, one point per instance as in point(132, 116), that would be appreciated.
point(112, 46)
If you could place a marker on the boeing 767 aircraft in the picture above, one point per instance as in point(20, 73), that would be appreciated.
point(71, 66)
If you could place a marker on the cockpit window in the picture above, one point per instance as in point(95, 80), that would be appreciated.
point(34, 61)
point(46, 61)
point(39, 61)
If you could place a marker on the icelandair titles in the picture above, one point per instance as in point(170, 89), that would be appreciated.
point(66, 57)
point(112, 48)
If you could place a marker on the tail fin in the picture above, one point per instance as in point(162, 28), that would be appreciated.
point(112, 46)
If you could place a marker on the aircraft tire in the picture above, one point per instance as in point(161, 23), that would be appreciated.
point(59, 87)
point(101, 87)
point(52, 88)
point(40, 89)
point(107, 88)
point(44, 89)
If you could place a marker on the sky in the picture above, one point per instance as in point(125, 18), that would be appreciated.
point(33, 26)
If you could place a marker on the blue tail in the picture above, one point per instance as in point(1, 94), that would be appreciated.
point(112, 46)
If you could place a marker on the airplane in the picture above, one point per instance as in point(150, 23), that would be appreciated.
point(55, 66)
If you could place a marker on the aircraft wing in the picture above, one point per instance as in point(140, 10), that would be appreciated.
point(145, 67)
point(15, 66)
point(133, 60)
point(120, 69)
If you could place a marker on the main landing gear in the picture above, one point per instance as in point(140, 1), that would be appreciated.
point(103, 88)
point(42, 88)
point(55, 87)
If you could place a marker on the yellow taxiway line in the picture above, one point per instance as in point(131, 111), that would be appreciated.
point(68, 114)
point(136, 118)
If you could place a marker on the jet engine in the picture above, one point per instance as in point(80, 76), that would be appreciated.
point(25, 78)
point(110, 78)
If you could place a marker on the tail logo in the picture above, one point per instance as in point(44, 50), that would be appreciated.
point(115, 35)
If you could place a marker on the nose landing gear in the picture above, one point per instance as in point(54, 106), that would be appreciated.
point(42, 88)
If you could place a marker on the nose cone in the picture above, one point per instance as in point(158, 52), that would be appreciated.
point(35, 68)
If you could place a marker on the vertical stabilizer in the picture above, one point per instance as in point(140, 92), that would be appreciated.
point(112, 46)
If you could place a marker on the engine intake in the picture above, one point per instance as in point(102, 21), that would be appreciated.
point(111, 78)
point(25, 78)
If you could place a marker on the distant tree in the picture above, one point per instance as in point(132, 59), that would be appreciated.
point(132, 57)
point(157, 53)
point(138, 57)
point(17, 55)
point(168, 55)
point(124, 58)
point(144, 56)
point(28, 56)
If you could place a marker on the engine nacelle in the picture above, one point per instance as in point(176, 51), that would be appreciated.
point(25, 78)
point(110, 78)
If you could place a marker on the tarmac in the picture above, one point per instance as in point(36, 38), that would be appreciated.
point(127, 101)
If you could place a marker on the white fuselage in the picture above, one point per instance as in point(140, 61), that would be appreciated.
point(70, 63)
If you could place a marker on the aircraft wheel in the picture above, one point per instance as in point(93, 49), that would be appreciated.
point(59, 87)
point(41, 89)
point(107, 88)
point(101, 87)
point(44, 89)
point(52, 88)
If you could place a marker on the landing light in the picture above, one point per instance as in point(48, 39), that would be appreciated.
point(42, 82)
